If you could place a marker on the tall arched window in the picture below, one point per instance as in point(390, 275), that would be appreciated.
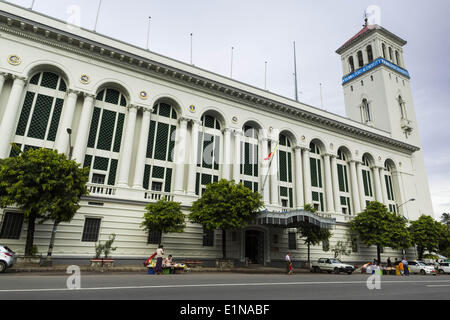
point(369, 53)
point(389, 187)
point(360, 59)
point(316, 177)
point(351, 64)
point(41, 112)
point(249, 161)
point(105, 136)
point(285, 181)
point(383, 48)
point(344, 188)
point(367, 179)
point(391, 57)
point(208, 153)
point(366, 114)
point(160, 145)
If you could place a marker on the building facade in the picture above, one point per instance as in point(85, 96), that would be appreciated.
point(149, 126)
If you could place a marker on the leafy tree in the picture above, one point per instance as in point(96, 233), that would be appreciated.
point(341, 249)
point(45, 185)
point(377, 226)
point(165, 216)
point(312, 233)
point(444, 244)
point(225, 205)
point(427, 234)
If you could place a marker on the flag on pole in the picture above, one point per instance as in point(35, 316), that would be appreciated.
point(272, 153)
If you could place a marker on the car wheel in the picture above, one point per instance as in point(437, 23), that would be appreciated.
point(349, 272)
point(318, 270)
point(336, 270)
point(329, 271)
point(422, 272)
point(2, 266)
point(441, 271)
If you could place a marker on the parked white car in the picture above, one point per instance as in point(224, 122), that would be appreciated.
point(331, 265)
point(7, 258)
point(444, 267)
point(420, 267)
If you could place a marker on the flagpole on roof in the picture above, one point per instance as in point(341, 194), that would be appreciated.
point(295, 74)
point(265, 75)
point(32, 5)
point(98, 13)
point(148, 33)
point(231, 73)
point(191, 45)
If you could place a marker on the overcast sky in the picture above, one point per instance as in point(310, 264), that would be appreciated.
point(261, 30)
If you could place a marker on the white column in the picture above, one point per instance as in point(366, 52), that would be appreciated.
point(237, 156)
point(383, 186)
point(376, 179)
point(226, 154)
point(193, 158)
point(8, 122)
point(361, 186)
point(142, 150)
point(328, 184)
point(81, 140)
point(274, 193)
point(62, 138)
point(125, 161)
point(2, 81)
point(334, 173)
point(307, 176)
point(355, 189)
point(180, 156)
point(264, 169)
point(299, 198)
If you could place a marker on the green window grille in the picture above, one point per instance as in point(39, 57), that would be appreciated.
point(112, 172)
point(62, 86)
point(151, 137)
point(106, 130)
point(49, 80)
point(28, 147)
point(112, 96)
point(207, 160)
point(123, 101)
point(283, 140)
point(158, 172)
point(35, 79)
point(316, 173)
point(289, 167)
point(321, 201)
point(390, 192)
point(216, 152)
point(208, 238)
point(168, 181)
point(101, 163)
point(283, 192)
point(292, 241)
point(87, 161)
point(55, 120)
point(197, 184)
point(206, 179)
point(25, 114)
point(14, 152)
point(100, 95)
point(283, 166)
point(146, 181)
point(367, 183)
point(161, 141)
point(164, 110)
point(119, 130)
point(94, 127)
point(248, 184)
point(41, 114)
point(209, 121)
point(174, 114)
point(12, 225)
point(291, 198)
point(172, 138)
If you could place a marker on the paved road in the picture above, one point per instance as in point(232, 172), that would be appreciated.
point(222, 286)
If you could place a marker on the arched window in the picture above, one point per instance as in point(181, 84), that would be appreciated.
point(208, 153)
point(105, 136)
point(397, 57)
point(401, 104)
point(285, 180)
point(360, 59)
point(369, 53)
point(389, 187)
point(367, 179)
point(366, 114)
point(383, 48)
point(316, 177)
point(249, 161)
point(351, 64)
point(343, 179)
point(41, 112)
point(390, 54)
point(160, 147)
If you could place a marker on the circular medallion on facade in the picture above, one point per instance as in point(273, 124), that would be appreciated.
point(331, 146)
point(143, 95)
point(379, 158)
point(192, 108)
point(234, 119)
point(14, 59)
point(303, 138)
point(84, 79)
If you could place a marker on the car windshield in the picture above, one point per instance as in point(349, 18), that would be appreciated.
point(335, 261)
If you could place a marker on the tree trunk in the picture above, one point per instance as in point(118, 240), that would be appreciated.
point(30, 234)
point(379, 254)
point(309, 253)
point(224, 244)
point(52, 242)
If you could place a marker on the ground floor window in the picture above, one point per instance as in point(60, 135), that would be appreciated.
point(91, 230)
point(11, 225)
point(154, 237)
point(208, 238)
point(292, 239)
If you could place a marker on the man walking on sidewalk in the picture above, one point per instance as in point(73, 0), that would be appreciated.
point(289, 263)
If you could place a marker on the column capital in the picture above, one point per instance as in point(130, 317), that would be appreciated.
point(305, 149)
point(4, 74)
point(87, 94)
point(328, 155)
point(377, 167)
point(147, 109)
point(184, 119)
point(194, 121)
point(237, 132)
point(17, 77)
point(354, 161)
point(134, 107)
point(73, 91)
point(227, 130)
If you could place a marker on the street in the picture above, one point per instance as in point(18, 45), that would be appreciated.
point(221, 286)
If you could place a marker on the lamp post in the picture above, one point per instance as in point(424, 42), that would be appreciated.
point(398, 212)
point(69, 131)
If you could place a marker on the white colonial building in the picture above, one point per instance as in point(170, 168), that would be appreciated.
point(149, 126)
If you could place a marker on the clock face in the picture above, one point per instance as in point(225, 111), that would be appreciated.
point(85, 79)
point(14, 60)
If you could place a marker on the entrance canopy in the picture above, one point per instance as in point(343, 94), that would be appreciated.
point(290, 219)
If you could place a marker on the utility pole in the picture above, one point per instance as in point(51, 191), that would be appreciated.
point(295, 74)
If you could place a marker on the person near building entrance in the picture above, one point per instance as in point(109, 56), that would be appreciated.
point(289, 263)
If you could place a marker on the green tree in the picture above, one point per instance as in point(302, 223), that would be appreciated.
point(444, 244)
point(312, 233)
point(165, 216)
point(45, 185)
point(225, 205)
point(377, 226)
point(427, 234)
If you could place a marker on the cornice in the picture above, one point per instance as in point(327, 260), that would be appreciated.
point(63, 40)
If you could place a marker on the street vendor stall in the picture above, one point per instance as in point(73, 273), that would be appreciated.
point(171, 268)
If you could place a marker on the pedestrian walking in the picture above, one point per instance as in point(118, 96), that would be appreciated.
point(389, 262)
point(405, 267)
point(401, 267)
point(288, 262)
point(159, 259)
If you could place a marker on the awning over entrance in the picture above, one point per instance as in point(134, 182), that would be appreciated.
point(290, 219)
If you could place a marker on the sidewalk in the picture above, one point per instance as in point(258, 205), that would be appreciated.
point(85, 268)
